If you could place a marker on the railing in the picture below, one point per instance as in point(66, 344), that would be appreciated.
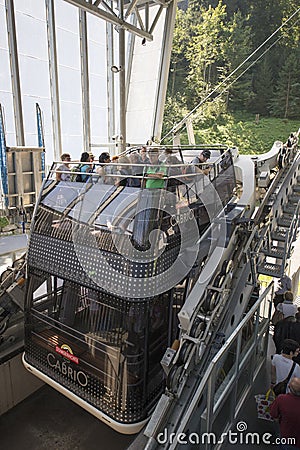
point(221, 161)
point(227, 381)
point(291, 236)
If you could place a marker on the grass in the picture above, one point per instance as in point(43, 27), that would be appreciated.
point(242, 131)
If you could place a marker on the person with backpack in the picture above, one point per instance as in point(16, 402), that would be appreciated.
point(283, 363)
point(285, 284)
point(286, 409)
point(84, 167)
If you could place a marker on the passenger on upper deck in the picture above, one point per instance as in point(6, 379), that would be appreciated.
point(137, 170)
point(155, 172)
point(164, 155)
point(168, 157)
point(92, 159)
point(143, 154)
point(104, 158)
point(65, 167)
point(199, 161)
point(172, 161)
point(125, 170)
point(85, 168)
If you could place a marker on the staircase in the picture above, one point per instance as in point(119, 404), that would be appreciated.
point(277, 244)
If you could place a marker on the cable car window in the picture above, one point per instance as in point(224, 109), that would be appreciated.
point(43, 289)
point(92, 199)
point(120, 212)
point(61, 196)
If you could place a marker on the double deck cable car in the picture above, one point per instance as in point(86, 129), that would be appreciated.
point(110, 264)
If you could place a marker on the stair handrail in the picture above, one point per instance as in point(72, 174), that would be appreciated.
point(290, 237)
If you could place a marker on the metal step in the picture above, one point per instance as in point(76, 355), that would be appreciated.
point(289, 208)
point(274, 252)
point(296, 188)
point(278, 235)
point(273, 270)
point(285, 220)
point(294, 199)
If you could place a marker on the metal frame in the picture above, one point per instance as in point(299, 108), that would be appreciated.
point(164, 69)
point(102, 9)
point(3, 160)
point(15, 73)
point(261, 309)
point(85, 87)
point(120, 16)
point(54, 85)
point(110, 79)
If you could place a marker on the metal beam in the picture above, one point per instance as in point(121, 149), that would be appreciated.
point(53, 69)
point(131, 8)
point(164, 70)
point(122, 81)
point(129, 60)
point(85, 86)
point(110, 81)
point(15, 73)
point(112, 18)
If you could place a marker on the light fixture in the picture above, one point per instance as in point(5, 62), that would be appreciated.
point(115, 69)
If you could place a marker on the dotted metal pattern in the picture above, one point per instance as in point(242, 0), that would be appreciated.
point(96, 393)
point(60, 258)
point(113, 363)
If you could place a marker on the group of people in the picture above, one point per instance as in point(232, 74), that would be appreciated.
point(286, 318)
point(64, 172)
point(285, 364)
point(128, 170)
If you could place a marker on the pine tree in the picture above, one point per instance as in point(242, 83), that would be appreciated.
point(263, 86)
point(236, 49)
point(205, 54)
point(286, 100)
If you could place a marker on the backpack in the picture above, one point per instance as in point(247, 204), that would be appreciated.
point(74, 176)
point(280, 388)
point(277, 317)
point(78, 178)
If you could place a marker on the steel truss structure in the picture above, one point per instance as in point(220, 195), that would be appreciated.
point(136, 35)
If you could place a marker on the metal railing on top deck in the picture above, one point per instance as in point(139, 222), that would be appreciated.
point(185, 153)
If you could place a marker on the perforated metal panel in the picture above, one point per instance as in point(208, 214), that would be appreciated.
point(112, 341)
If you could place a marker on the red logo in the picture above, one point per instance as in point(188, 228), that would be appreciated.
point(67, 352)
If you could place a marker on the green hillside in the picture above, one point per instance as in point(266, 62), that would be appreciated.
point(245, 133)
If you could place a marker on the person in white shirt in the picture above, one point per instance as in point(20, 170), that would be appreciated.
point(287, 307)
point(63, 172)
point(282, 364)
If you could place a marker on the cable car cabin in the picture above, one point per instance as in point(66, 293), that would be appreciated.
point(110, 262)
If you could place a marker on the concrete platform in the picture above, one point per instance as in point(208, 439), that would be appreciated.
point(11, 248)
point(49, 421)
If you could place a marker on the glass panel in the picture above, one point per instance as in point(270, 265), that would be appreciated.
point(92, 200)
point(61, 196)
point(120, 212)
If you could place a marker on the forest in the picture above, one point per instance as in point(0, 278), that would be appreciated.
point(237, 60)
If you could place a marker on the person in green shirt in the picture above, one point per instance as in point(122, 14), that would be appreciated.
point(155, 172)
